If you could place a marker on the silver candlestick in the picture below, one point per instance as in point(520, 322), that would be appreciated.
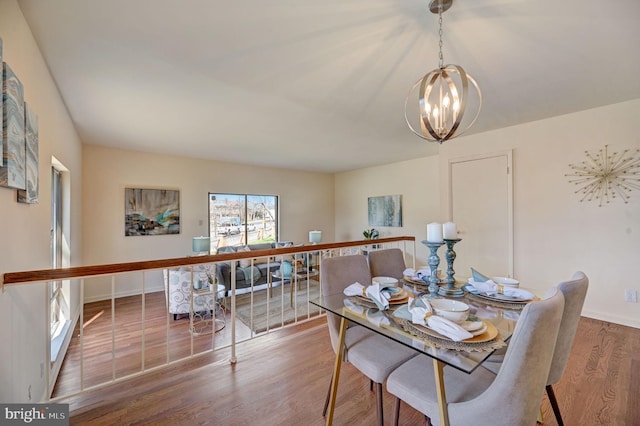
point(450, 290)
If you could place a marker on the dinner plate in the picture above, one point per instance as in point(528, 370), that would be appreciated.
point(417, 281)
point(397, 298)
point(489, 334)
point(508, 298)
point(526, 297)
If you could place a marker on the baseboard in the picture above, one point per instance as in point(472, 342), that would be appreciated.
point(608, 317)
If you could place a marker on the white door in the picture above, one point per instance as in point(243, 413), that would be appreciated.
point(481, 205)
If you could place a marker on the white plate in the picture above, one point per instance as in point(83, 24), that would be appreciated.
point(471, 326)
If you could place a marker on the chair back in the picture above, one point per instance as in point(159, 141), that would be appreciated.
point(387, 263)
point(337, 273)
point(515, 395)
point(574, 291)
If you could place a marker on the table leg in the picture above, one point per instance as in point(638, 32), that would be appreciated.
point(336, 371)
point(438, 368)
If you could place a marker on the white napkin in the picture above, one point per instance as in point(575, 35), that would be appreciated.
point(377, 317)
point(491, 287)
point(374, 292)
point(355, 308)
point(417, 275)
point(483, 286)
point(422, 314)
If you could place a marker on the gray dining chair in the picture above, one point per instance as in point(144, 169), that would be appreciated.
point(387, 263)
point(575, 292)
point(512, 397)
point(372, 354)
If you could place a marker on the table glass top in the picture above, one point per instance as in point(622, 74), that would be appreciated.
point(504, 320)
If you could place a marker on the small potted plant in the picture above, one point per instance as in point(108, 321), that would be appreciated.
point(371, 234)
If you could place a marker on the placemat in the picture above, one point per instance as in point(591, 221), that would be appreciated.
point(491, 345)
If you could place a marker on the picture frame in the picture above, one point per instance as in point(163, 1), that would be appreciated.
point(385, 210)
point(151, 211)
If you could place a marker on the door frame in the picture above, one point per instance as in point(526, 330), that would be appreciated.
point(448, 202)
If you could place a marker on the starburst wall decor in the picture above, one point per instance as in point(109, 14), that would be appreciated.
point(604, 178)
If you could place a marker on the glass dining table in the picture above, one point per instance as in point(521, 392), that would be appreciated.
point(466, 357)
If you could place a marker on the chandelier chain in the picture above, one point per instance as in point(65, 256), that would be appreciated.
point(440, 57)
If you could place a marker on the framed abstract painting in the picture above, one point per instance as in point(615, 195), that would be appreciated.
point(151, 211)
point(385, 210)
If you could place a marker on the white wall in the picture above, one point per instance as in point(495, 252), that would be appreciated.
point(418, 181)
point(24, 229)
point(555, 234)
point(306, 203)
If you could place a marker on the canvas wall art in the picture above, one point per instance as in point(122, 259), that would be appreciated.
point(12, 172)
point(30, 194)
point(385, 210)
point(151, 211)
point(1, 109)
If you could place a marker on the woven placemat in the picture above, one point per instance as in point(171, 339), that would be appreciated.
point(517, 306)
point(496, 343)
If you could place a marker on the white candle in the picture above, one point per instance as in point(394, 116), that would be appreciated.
point(449, 231)
point(434, 233)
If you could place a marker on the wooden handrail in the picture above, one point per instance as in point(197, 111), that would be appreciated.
point(25, 277)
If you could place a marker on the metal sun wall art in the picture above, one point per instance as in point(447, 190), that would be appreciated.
point(604, 178)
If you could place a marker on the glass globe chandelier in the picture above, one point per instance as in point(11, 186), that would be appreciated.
point(443, 96)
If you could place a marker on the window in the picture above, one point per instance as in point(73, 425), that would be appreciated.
point(58, 290)
point(239, 219)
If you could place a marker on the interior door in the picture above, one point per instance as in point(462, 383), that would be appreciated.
point(481, 205)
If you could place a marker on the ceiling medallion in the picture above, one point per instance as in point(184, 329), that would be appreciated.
point(605, 177)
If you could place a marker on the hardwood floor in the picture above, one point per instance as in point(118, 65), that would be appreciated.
point(282, 379)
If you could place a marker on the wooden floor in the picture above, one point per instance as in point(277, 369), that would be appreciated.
point(282, 379)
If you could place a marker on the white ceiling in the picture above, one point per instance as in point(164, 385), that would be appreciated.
point(320, 85)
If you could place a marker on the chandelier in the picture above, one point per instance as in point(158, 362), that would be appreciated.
point(443, 96)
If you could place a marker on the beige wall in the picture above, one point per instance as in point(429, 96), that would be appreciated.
point(418, 182)
point(555, 234)
point(24, 229)
point(306, 203)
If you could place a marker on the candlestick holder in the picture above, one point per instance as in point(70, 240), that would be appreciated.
point(434, 261)
point(450, 290)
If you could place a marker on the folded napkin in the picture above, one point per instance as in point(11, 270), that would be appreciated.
point(376, 317)
point(352, 306)
point(477, 276)
point(490, 287)
point(420, 274)
point(380, 294)
point(419, 312)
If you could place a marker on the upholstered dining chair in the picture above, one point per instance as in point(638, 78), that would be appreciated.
point(574, 291)
point(512, 397)
point(387, 263)
point(372, 354)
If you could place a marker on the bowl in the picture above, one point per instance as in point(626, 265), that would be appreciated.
point(385, 281)
point(453, 310)
point(509, 282)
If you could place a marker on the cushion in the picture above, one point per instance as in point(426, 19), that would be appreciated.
point(244, 263)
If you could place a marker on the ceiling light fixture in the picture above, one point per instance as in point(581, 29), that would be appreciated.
point(443, 95)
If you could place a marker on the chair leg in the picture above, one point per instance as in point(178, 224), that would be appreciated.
point(396, 412)
point(379, 404)
point(326, 401)
point(554, 405)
